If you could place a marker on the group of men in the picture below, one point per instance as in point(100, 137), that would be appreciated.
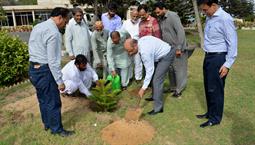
point(158, 46)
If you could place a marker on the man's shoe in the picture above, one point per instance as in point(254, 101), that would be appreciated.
point(202, 116)
point(152, 112)
point(124, 88)
point(168, 91)
point(149, 99)
point(176, 95)
point(46, 128)
point(64, 133)
point(208, 123)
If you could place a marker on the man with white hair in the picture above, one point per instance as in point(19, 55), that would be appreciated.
point(77, 36)
point(132, 27)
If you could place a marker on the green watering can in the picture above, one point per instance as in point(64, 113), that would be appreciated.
point(115, 82)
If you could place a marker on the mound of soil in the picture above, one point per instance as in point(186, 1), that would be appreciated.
point(29, 105)
point(124, 132)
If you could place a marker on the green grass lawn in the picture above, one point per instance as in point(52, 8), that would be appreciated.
point(176, 126)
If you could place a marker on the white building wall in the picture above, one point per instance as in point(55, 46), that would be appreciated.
point(53, 2)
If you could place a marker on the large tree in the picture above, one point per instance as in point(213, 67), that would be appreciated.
point(239, 8)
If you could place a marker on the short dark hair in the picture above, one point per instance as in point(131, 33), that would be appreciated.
point(114, 32)
point(144, 7)
point(60, 11)
point(159, 5)
point(80, 59)
point(133, 42)
point(207, 2)
point(112, 6)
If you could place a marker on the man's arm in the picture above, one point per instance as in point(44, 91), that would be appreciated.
point(68, 41)
point(54, 56)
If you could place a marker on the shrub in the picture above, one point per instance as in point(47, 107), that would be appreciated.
point(14, 59)
point(104, 97)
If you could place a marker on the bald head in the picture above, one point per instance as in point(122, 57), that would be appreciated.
point(99, 25)
point(131, 46)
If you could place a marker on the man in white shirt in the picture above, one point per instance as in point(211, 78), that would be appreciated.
point(78, 74)
point(132, 27)
point(77, 36)
point(156, 56)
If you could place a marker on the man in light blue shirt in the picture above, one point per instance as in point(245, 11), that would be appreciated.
point(45, 69)
point(220, 46)
point(77, 37)
point(110, 19)
point(156, 56)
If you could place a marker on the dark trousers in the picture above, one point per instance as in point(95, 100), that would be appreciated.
point(48, 96)
point(214, 86)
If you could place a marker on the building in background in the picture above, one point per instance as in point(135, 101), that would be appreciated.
point(27, 14)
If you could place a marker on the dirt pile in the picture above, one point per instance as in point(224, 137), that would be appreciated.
point(124, 132)
point(29, 105)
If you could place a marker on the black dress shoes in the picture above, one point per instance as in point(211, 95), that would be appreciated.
point(149, 99)
point(64, 133)
point(46, 128)
point(152, 112)
point(202, 116)
point(176, 95)
point(168, 91)
point(208, 123)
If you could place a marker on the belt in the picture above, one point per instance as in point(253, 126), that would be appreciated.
point(215, 53)
point(37, 63)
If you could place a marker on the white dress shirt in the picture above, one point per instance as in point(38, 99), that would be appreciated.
point(151, 49)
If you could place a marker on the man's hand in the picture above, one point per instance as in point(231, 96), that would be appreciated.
point(178, 53)
point(98, 83)
point(114, 73)
point(61, 87)
point(99, 65)
point(141, 92)
point(72, 57)
point(223, 71)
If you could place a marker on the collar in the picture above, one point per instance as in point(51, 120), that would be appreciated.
point(218, 12)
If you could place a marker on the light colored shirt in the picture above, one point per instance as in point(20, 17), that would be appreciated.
point(172, 31)
point(151, 49)
point(45, 47)
point(117, 57)
point(77, 39)
point(84, 78)
point(99, 44)
point(220, 36)
point(131, 28)
point(112, 24)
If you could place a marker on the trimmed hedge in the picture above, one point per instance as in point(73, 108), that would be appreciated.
point(13, 59)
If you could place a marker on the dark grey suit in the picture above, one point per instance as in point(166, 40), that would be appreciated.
point(173, 33)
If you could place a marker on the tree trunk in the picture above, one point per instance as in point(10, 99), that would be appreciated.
point(199, 25)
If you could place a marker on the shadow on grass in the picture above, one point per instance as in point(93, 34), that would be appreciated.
point(199, 92)
point(243, 131)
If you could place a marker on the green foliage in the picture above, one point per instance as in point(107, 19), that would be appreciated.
point(104, 97)
point(14, 59)
point(239, 8)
